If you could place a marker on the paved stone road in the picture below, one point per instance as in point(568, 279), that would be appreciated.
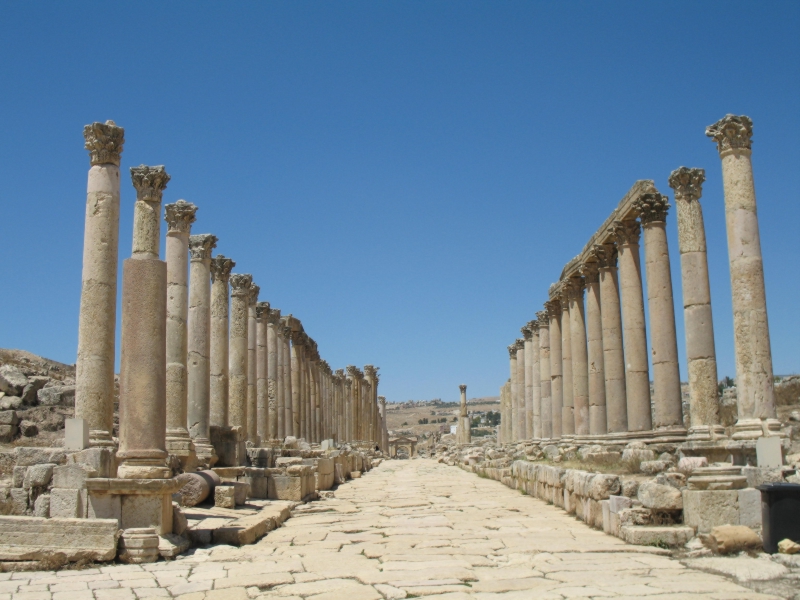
point(406, 529)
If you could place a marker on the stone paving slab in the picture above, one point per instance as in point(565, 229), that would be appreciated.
point(421, 529)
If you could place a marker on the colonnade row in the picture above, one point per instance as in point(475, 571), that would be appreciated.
point(198, 348)
point(580, 372)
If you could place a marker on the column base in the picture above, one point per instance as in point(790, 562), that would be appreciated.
point(132, 467)
point(134, 502)
point(751, 429)
point(180, 444)
point(100, 438)
point(206, 455)
point(706, 433)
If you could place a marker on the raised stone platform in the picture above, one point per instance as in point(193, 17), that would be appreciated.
point(36, 538)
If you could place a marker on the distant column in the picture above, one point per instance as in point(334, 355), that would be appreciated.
point(297, 382)
point(527, 339)
point(237, 388)
point(94, 367)
point(534, 361)
point(613, 359)
point(288, 394)
point(464, 431)
point(199, 347)
point(220, 274)
point(274, 368)
point(384, 426)
point(262, 375)
point(252, 366)
point(568, 391)
point(594, 350)
point(179, 217)
point(514, 389)
point(755, 390)
point(143, 358)
point(546, 410)
point(637, 372)
point(698, 323)
point(580, 363)
point(556, 362)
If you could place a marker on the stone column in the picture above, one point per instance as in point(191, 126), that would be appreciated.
point(274, 367)
point(637, 373)
point(252, 366)
point(527, 337)
point(545, 401)
point(698, 323)
point(199, 346)
point(288, 392)
point(568, 390)
point(580, 361)
point(370, 373)
point(313, 418)
point(464, 430)
point(179, 218)
point(755, 391)
point(556, 365)
point(534, 359)
point(653, 209)
point(262, 367)
point(94, 375)
point(513, 389)
point(594, 350)
point(613, 358)
point(297, 379)
point(349, 405)
point(143, 359)
point(220, 274)
point(521, 432)
point(384, 427)
point(341, 406)
point(237, 388)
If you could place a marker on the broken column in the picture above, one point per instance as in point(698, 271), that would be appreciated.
point(179, 217)
point(698, 323)
point(755, 391)
point(199, 346)
point(464, 433)
point(94, 367)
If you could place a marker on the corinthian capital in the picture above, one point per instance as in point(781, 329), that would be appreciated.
point(352, 371)
point(533, 325)
point(732, 134)
point(520, 344)
point(150, 182)
point(626, 232)
point(687, 183)
point(652, 207)
point(512, 350)
point(254, 291)
point(104, 142)
point(463, 388)
point(221, 268)
point(590, 271)
point(274, 316)
point(526, 332)
point(370, 371)
point(180, 216)
point(543, 320)
point(262, 310)
point(240, 284)
point(553, 308)
point(287, 333)
point(606, 255)
point(339, 372)
point(200, 245)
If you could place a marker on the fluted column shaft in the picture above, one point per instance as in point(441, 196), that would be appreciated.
point(594, 351)
point(556, 366)
point(520, 432)
point(534, 359)
point(220, 274)
point(94, 367)
point(755, 390)
point(528, 381)
point(701, 353)
point(637, 373)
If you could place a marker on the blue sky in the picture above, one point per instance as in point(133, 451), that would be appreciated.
point(407, 178)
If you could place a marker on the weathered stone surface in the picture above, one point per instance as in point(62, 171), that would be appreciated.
point(67, 503)
point(63, 395)
point(194, 488)
point(225, 496)
point(726, 539)
point(38, 476)
point(35, 538)
point(650, 535)
point(659, 497)
point(41, 508)
point(139, 545)
point(28, 456)
point(706, 509)
point(12, 380)
point(788, 546)
point(72, 476)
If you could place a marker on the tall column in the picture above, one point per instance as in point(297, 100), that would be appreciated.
point(199, 346)
point(370, 373)
point(755, 390)
point(533, 362)
point(143, 358)
point(179, 218)
point(352, 403)
point(698, 323)
point(637, 373)
point(348, 401)
point(521, 432)
point(513, 389)
point(237, 388)
point(252, 366)
point(653, 209)
point(546, 402)
point(580, 361)
point(384, 427)
point(262, 368)
point(94, 367)
point(297, 379)
point(505, 414)
point(341, 408)
point(313, 378)
point(613, 358)
point(594, 350)
point(464, 430)
point(220, 274)
point(556, 365)
point(568, 390)
point(288, 392)
point(527, 338)
point(274, 367)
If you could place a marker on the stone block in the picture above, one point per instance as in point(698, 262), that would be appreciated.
point(726, 539)
point(604, 505)
point(18, 476)
point(660, 497)
point(225, 496)
point(66, 503)
point(29, 456)
point(179, 521)
point(147, 511)
point(99, 460)
point(604, 486)
point(9, 417)
point(325, 466)
point(30, 391)
point(35, 538)
point(7, 433)
point(653, 467)
point(229, 444)
point(689, 463)
point(28, 428)
point(139, 545)
point(757, 476)
point(284, 487)
point(328, 445)
point(617, 504)
point(706, 509)
point(245, 530)
point(60, 395)
point(104, 506)
point(19, 501)
point(171, 545)
point(41, 508)
point(669, 536)
point(258, 485)
point(76, 434)
point(72, 476)
point(12, 380)
point(769, 453)
point(288, 461)
point(750, 508)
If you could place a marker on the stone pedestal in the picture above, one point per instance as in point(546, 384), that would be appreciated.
point(94, 377)
point(179, 218)
point(134, 502)
point(755, 391)
point(199, 404)
point(143, 361)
